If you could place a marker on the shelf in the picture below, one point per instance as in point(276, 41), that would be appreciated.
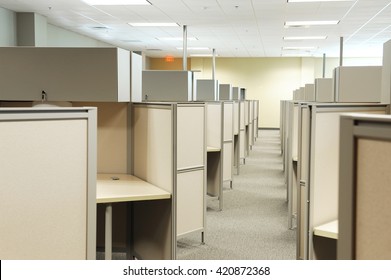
point(329, 230)
point(213, 149)
point(123, 187)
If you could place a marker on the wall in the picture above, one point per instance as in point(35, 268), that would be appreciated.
point(7, 28)
point(161, 64)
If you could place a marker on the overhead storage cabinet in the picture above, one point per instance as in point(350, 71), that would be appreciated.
point(65, 74)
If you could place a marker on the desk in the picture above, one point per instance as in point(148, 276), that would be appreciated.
point(329, 230)
point(112, 188)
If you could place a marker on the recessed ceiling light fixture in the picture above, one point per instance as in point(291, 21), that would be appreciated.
point(153, 24)
point(298, 48)
point(302, 1)
point(297, 38)
point(176, 38)
point(310, 22)
point(116, 2)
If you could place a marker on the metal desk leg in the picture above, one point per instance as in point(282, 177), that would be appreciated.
point(108, 231)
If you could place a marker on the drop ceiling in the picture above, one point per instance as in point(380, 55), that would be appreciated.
point(234, 28)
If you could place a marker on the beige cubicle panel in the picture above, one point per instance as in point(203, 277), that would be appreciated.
point(319, 185)
point(215, 149)
point(250, 124)
point(256, 119)
point(169, 152)
point(324, 90)
point(48, 183)
point(242, 131)
point(228, 142)
point(65, 74)
point(247, 126)
point(365, 180)
point(236, 131)
point(386, 73)
point(357, 83)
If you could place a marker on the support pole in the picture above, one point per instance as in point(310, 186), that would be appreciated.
point(214, 64)
point(324, 65)
point(185, 47)
point(340, 51)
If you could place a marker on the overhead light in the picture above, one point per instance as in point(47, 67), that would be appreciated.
point(116, 2)
point(176, 38)
point(202, 55)
point(310, 22)
point(153, 24)
point(302, 1)
point(293, 38)
point(195, 48)
point(298, 48)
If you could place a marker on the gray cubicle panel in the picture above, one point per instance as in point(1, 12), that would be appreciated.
point(317, 197)
point(357, 83)
point(386, 73)
point(235, 93)
point(48, 183)
point(225, 92)
point(215, 149)
point(65, 74)
point(207, 90)
point(228, 141)
point(256, 119)
point(309, 92)
point(242, 132)
point(136, 80)
point(242, 93)
point(169, 86)
point(364, 194)
point(324, 90)
point(250, 123)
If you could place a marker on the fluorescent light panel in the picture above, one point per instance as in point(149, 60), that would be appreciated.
point(153, 24)
point(176, 38)
point(298, 48)
point(311, 22)
point(116, 2)
point(302, 1)
point(288, 38)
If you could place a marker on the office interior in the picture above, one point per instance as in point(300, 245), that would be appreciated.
point(113, 150)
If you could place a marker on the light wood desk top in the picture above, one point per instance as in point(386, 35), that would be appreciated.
point(212, 149)
point(126, 188)
point(329, 230)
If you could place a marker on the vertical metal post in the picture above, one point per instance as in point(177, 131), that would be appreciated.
point(213, 64)
point(340, 51)
point(185, 47)
point(324, 66)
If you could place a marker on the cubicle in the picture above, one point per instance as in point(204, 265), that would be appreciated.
point(228, 141)
point(169, 141)
point(242, 131)
point(236, 136)
point(364, 220)
point(317, 181)
point(48, 183)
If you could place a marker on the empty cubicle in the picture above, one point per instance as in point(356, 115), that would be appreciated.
point(317, 182)
point(48, 178)
point(365, 187)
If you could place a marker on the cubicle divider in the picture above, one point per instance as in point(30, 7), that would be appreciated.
point(318, 169)
point(256, 120)
point(247, 127)
point(236, 136)
point(242, 131)
point(364, 193)
point(215, 150)
point(169, 151)
point(250, 124)
point(228, 142)
point(48, 183)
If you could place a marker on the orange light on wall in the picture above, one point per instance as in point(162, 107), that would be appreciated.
point(169, 58)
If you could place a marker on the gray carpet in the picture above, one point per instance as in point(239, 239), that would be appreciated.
point(253, 224)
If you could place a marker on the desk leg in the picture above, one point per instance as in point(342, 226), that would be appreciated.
point(108, 231)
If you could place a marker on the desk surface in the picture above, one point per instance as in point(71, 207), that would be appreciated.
point(212, 149)
point(126, 188)
point(329, 230)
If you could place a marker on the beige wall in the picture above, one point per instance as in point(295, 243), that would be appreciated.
point(161, 64)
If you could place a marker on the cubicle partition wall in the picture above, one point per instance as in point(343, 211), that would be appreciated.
point(242, 131)
point(318, 170)
point(247, 125)
point(48, 183)
point(236, 136)
point(228, 139)
point(365, 188)
point(215, 149)
point(324, 90)
point(169, 151)
point(256, 119)
point(309, 92)
point(225, 92)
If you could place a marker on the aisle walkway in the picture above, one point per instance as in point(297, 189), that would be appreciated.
point(253, 223)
